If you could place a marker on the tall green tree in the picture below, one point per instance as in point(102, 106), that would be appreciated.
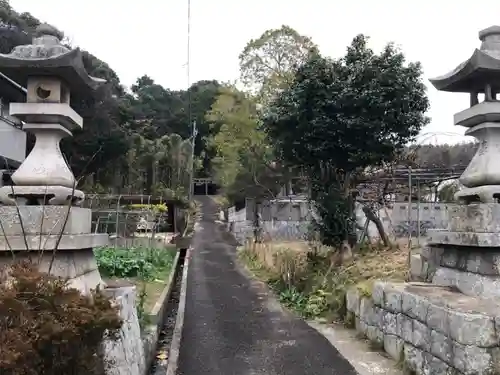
point(198, 100)
point(103, 141)
point(340, 116)
point(268, 64)
point(243, 163)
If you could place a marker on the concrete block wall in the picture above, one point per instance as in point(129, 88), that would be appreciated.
point(425, 215)
point(289, 220)
point(282, 221)
point(12, 141)
point(284, 230)
point(431, 330)
point(238, 224)
point(398, 221)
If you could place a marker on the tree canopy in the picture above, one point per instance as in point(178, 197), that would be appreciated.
point(268, 64)
point(243, 158)
point(334, 108)
point(339, 116)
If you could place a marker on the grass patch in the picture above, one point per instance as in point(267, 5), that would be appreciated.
point(255, 266)
point(146, 268)
point(308, 280)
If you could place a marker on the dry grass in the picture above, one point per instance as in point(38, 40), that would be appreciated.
point(375, 264)
point(320, 278)
point(280, 257)
point(372, 263)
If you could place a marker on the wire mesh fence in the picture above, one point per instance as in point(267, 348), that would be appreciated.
point(409, 202)
point(133, 221)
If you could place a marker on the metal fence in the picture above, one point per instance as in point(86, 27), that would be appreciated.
point(138, 227)
point(407, 202)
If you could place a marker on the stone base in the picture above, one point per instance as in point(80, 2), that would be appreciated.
point(40, 195)
point(480, 194)
point(472, 270)
point(475, 224)
point(78, 266)
point(45, 219)
point(432, 329)
point(445, 237)
point(48, 242)
point(476, 217)
point(484, 262)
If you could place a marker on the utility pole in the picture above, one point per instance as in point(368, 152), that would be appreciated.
point(194, 131)
point(193, 142)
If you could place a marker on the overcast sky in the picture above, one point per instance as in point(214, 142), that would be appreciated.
point(150, 36)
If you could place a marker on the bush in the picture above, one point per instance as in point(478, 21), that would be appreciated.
point(47, 328)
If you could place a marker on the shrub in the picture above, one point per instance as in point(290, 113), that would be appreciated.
point(47, 328)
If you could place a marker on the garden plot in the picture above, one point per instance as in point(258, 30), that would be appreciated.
point(148, 269)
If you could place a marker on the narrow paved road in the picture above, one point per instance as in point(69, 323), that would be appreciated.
point(231, 324)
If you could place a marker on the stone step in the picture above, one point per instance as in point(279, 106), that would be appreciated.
point(430, 327)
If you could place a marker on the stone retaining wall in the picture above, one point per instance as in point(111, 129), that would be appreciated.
point(430, 329)
point(127, 353)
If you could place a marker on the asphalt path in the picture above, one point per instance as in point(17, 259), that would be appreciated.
point(233, 324)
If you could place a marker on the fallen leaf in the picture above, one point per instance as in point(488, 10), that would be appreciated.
point(162, 356)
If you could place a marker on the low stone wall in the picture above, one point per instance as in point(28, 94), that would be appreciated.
point(430, 329)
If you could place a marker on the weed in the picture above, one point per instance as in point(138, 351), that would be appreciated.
point(365, 289)
point(349, 320)
point(312, 282)
point(141, 304)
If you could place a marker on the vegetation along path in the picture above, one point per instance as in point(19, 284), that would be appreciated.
point(233, 326)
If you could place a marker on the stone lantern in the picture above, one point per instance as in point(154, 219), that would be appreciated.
point(471, 242)
point(44, 191)
point(479, 74)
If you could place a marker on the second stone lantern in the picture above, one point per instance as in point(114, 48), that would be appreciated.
point(480, 74)
point(44, 193)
